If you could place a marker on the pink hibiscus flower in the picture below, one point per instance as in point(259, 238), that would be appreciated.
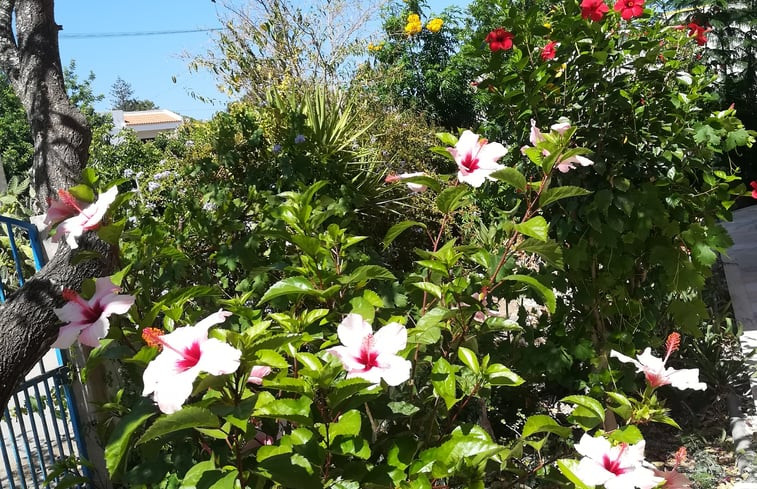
point(614, 467)
point(563, 165)
point(656, 373)
point(372, 356)
point(88, 319)
point(186, 353)
point(414, 187)
point(257, 373)
point(593, 9)
point(476, 158)
point(87, 218)
point(629, 8)
point(673, 478)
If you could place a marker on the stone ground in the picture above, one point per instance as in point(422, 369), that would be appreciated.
point(740, 264)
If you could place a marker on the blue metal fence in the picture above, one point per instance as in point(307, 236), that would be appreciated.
point(40, 425)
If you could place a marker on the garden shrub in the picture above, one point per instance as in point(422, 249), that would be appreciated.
point(485, 351)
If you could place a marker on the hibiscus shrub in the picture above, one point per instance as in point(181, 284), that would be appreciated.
point(342, 354)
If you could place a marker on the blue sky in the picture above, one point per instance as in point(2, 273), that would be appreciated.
point(148, 63)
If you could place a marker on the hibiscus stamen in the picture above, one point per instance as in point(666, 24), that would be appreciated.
point(72, 296)
point(68, 199)
point(152, 337)
point(671, 345)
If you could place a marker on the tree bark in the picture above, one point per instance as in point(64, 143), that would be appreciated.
point(30, 57)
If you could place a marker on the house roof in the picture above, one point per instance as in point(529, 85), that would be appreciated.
point(141, 117)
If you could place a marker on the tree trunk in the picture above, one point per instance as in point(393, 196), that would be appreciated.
point(30, 57)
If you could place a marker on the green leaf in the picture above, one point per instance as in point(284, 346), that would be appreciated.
point(549, 250)
point(443, 380)
point(589, 403)
point(510, 176)
point(403, 408)
point(568, 468)
point(112, 232)
point(119, 442)
point(193, 475)
point(549, 297)
point(627, 434)
point(426, 180)
point(365, 273)
point(186, 418)
point(557, 193)
point(297, 410)
point(348, 424)
point(622, 406)
point(541, 423)
point(451, 198)
point(432, 289)
point(469, 359)
point(536, 227)
point(498, 374)
point(82, 192)
point(289, 286)
point(397, 229)
point(446, 138)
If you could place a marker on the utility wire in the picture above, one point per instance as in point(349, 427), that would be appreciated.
point(92, 35)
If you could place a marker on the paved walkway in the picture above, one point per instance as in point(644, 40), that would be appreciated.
point(740, 265)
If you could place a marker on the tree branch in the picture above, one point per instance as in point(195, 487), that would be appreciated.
point(8, 53)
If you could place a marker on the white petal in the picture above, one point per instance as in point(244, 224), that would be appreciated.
point(560, 127)
point(591, 473)
point(390, 339)
point(352, 330)
point(468, 143)
point(624, 358)
point(394, 369)
point(218, 358)
point(592, 447)
point(686, 379)
point(171, 393)
point(213, 319)
point(583, 161)
point(490, 153)
point(94, 213)
point(91, 335)
point(373, 375)
point(475, 179)
point(650, 362)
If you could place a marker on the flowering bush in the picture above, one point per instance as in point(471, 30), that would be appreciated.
point(356, 347)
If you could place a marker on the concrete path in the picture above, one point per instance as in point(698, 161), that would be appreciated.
point(740, 264)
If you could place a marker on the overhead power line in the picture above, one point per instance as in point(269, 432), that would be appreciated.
point(91, 35)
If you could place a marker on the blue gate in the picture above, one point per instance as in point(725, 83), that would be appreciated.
point(40, 425)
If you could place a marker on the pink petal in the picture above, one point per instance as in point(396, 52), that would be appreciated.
point(535, 135)
point(91, 335)
point(70, 312)
point(103, 286)
point(117, 304)
point(560, 127)
point(257, 373)
point(352, 330)
point(67, 335)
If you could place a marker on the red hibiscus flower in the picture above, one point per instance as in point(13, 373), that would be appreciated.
point(500, 39)
point(549, 51)
point(698, 32)
point(593, 9)
point(753, 184)
point(629, 8)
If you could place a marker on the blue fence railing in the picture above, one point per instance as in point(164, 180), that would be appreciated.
point(40, 426)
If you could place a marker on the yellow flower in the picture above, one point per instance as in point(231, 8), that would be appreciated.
point(413, 19)
point(434, 25)
point(548, 25)
point(561, 69)
point(413, 28)
point(375, 47)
